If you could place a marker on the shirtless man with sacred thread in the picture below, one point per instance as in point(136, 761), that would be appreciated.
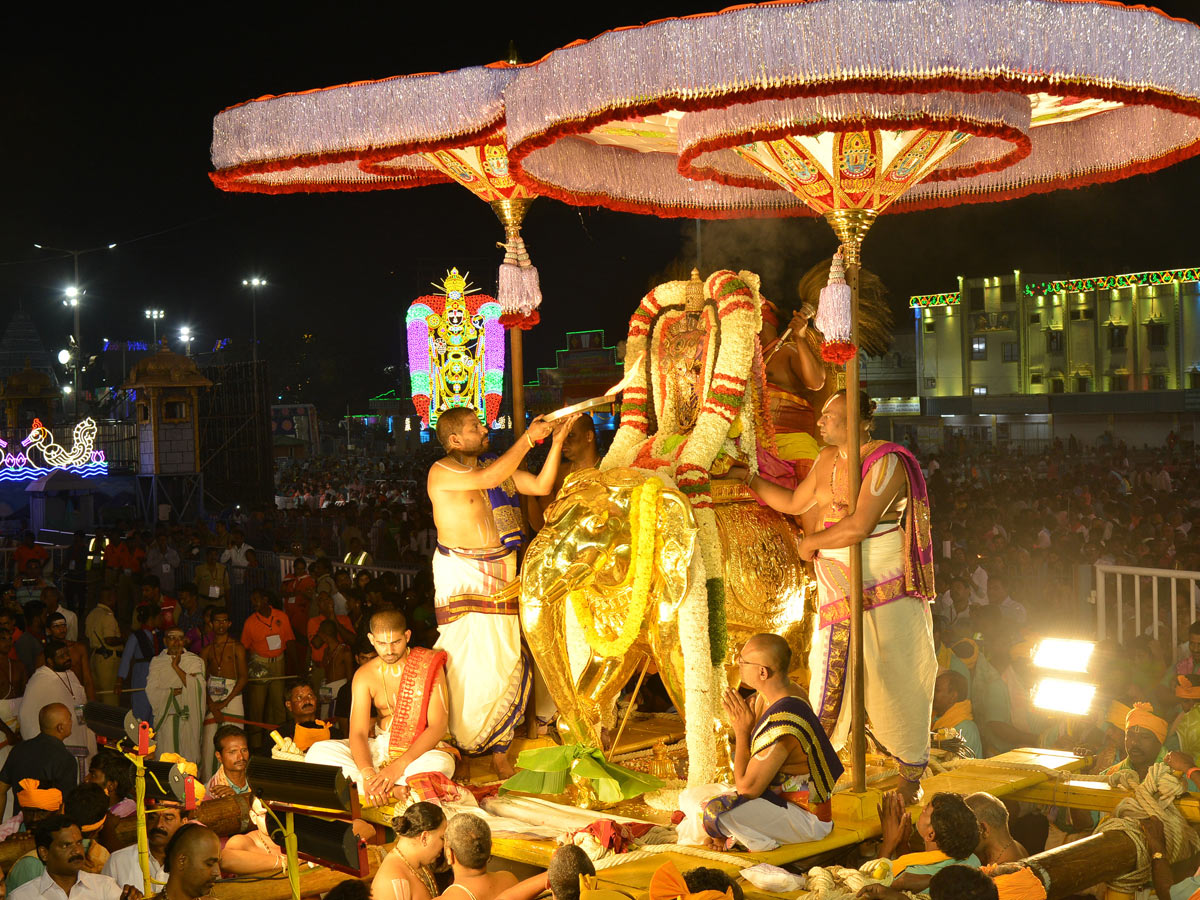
point(402, 750)
point(479, 525)
point(891, 520)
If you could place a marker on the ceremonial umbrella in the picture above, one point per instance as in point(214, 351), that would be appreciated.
point(848, 108)
point(394, 133)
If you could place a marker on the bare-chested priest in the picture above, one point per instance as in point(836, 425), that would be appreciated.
point(402, 750)
point(479, 527)
point(784, 767)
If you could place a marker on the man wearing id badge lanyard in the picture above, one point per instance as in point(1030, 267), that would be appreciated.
point(225, 662)
point(162, 560)
point(265, 635)
point(212, 579)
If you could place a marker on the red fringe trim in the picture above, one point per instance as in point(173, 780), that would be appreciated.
point(838, 352)
point(750, 94)
point(515, 320)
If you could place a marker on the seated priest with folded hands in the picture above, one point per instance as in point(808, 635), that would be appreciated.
point(784, 766)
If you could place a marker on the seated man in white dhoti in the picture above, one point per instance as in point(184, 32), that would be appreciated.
point(402, 753)
point(891, 520)
point(175, 688)
point(479, 526)
point(784, 767)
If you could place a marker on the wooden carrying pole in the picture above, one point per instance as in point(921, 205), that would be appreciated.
point(517, 352)
point(850, 225)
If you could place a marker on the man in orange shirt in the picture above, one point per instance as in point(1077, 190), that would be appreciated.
point(265, 636)
point(296, 592)
point(27, 550)
point(325, 613)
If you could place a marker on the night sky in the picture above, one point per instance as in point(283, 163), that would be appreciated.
point(107, 139)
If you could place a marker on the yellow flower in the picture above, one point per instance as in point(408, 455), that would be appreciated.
point(643, 536)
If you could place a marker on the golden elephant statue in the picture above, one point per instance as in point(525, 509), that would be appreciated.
point(580, 564)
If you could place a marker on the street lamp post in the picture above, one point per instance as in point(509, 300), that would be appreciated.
point(154, 315)
point(254, 284)
point(73, 295)
point(186, 336)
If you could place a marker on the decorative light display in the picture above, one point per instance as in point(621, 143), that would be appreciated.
point(922, 301)
point(1111, 282)
point(455, 351)
point(81, 459)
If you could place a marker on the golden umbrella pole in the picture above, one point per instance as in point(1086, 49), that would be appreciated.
point(511, 214)
point(850, 226)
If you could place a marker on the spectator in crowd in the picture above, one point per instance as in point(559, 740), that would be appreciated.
point(43, 757)
point(265, 636)
point(948, 829)
point(75, 578)
point(192, 861)
point(103, 634)
point(561, 878)
point(357, 554)
point(225, 663)
point(85, 805)
point(56, 628)
point(52, 599)
point(141, 647)
point(468, 849)
point(12, 689)
point(124, 866)
point(996, 844)
point(59, 843)
point(303, 726)
point(29, 551)
point(29, 645)
point(296, 596)
point(30, 585)
point(162, 561)
point(153, 597)
point(54, 682)
point(212, 579)
point(233, 758)
point(952, 709)
point(190, 617)
point(113, 772)
point(236, 550)
point(338, 664)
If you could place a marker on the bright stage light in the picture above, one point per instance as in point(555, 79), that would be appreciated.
point(1057, 695)
point(64, 356)
point(1063, 655)
point(72, 292)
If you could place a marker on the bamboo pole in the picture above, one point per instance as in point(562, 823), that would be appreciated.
point(517, 351)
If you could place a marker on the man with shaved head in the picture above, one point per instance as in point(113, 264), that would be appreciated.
point(468, 848)
point(996, 843)
point(45, 757)
point(403, 751)
point(193, 862)
point(784, 767)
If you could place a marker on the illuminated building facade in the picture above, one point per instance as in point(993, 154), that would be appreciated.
point(1027, 358)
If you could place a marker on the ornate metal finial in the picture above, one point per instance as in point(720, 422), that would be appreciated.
point(455, 286)
point(693, 295)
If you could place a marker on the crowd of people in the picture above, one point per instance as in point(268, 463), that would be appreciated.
point(203, 632)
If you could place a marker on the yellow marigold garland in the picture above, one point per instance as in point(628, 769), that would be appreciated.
point(642, 538)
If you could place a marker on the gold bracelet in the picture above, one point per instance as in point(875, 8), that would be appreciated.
point(528, 438)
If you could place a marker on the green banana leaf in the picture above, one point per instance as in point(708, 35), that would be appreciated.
point(548, 770)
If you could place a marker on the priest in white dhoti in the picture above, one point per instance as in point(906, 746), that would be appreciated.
point(54, 682)
point(175, 688)
point(479, 524)
point(891, 521)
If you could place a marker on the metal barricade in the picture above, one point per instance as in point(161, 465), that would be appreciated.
point(404, 577)
point(1142, 587)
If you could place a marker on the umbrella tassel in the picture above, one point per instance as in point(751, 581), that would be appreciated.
point(833, 318)
point(519, 290)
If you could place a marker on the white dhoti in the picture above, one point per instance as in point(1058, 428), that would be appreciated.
point(899, 661)
point(758, 825)
point(488, 672)
point(337, 753)
point(178, 704)
point(218, 689)
point(10, 712)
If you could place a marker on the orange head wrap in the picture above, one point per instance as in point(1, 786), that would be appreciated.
point(1142, 715)
point(667, 884)
point(1186, 689)
point(33, 796)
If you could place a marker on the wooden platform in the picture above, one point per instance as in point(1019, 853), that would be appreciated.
point(855, 816)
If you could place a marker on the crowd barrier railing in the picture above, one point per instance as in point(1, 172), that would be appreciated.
point(404, 577)
point(1125, 585)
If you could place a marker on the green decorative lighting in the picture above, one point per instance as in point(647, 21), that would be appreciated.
point(922, 301)
point(1111, 282)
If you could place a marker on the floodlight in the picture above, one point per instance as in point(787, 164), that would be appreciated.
point(328, 843)
point(64, 356)
point(1063, 655)
point(112, 722)
point(1058, 695)
point(165, 781)
point(72, 292)
point(302, 784)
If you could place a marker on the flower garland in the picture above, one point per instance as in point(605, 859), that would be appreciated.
point(643, 539)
